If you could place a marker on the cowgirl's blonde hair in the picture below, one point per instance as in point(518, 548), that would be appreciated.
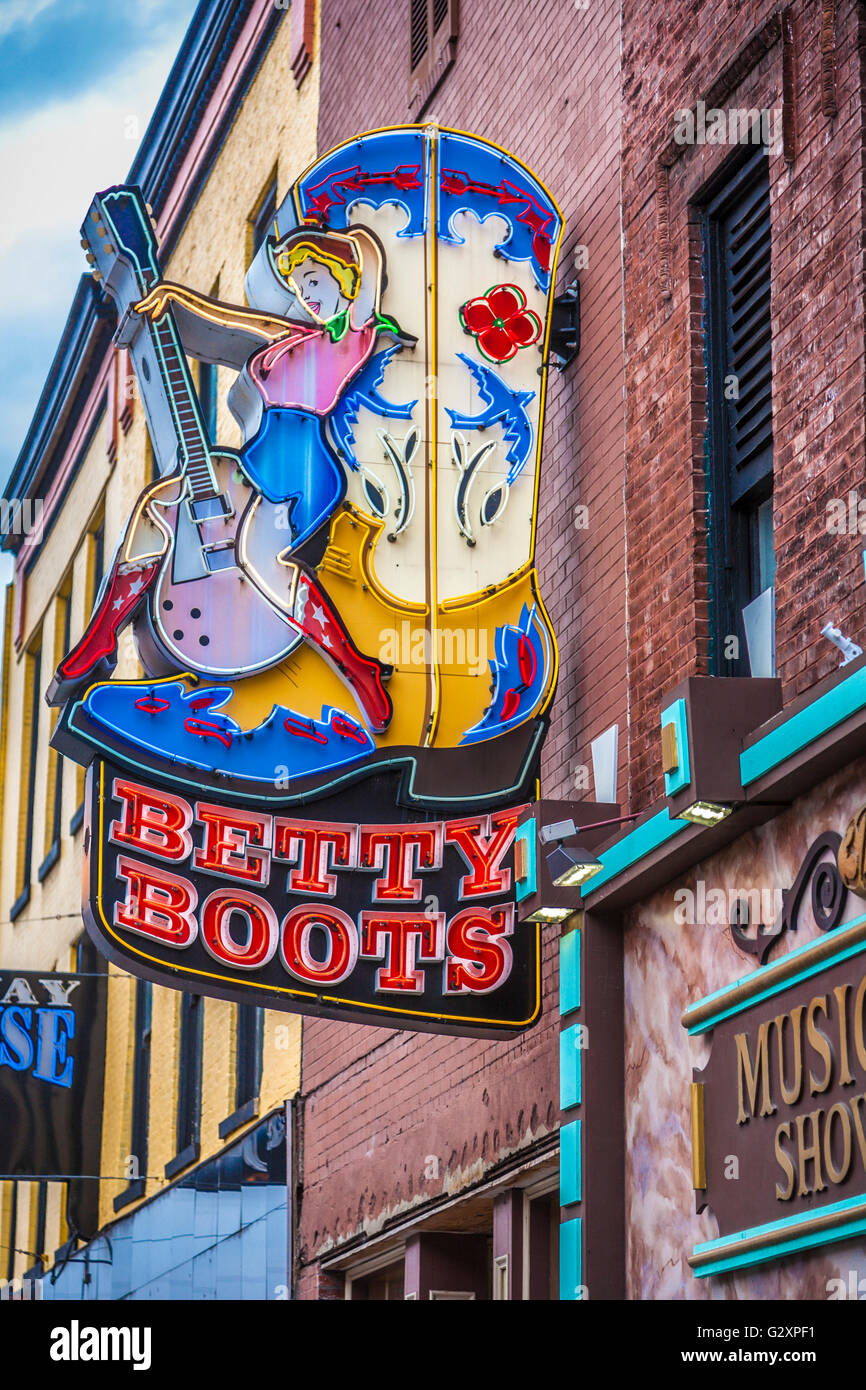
point(347, 276)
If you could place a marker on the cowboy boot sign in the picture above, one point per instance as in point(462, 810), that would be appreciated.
point(308, 799)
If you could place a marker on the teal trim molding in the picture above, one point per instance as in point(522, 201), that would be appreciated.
point(815, 958)
point(681, 776)
point(569, 972)
point(570, 1067)
point(570, 1263)
point(638, 843)
point(525, 887)
point(570, 1185)
point(804, 727)
point(822, 1226)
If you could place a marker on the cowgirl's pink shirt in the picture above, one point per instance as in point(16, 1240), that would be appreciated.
point(308, 370)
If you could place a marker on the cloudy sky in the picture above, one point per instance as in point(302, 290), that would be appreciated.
point(78, 82)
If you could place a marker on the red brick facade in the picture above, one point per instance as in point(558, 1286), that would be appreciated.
point(394, 1121)
point(735, 55)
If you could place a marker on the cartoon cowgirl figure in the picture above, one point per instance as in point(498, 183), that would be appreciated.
point(316, 325)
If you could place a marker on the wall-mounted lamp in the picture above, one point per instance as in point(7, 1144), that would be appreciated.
point(569, 868)
point(705, 812)
point(545, 883)
point(704, 721)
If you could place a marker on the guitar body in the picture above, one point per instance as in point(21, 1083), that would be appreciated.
point(206, 613)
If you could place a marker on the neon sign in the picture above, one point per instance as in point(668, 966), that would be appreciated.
point(389, 384)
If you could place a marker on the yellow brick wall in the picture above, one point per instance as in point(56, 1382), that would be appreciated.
point(275, 128)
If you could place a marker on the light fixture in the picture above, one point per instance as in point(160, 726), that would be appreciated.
point(706, 722)
point(548, 874)
point(550, 914)
point(705, 813)
point(569, 868)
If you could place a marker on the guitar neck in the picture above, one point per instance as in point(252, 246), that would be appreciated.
point(192, 440)
point(125, 254)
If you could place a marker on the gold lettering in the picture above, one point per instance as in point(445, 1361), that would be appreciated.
point(860, 1022)
point(837, 1175)
point(856, 1102)
point(820, 1042)
point(811, 1152)
point(791, 1094)
point(785, 1163)
point(841, 993)
point(751, 1076)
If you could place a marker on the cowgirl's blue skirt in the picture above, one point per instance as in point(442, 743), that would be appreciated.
point(289, 461)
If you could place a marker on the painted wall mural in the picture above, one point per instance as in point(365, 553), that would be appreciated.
point(350, 598)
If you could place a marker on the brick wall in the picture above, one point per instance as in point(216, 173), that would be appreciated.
point(392, 1120)
point(673, 56)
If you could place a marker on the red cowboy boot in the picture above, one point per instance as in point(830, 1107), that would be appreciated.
point(323, 628)
point(126, 587)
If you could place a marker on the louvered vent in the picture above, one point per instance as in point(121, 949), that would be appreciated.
point(440, 10)
point(418, 38)
point(745, 235)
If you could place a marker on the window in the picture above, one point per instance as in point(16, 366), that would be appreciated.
point(54, 797)
point(207, 395)
point(432, 47)
point(262, 220)
point(188, 1083)
point(39, 1220)
point(13, 1232)
point(248, 1055)
point(383, 1285)
point(207, 371)
point(140, 1093)
point(736, 227)
point(27, 782)
point(95, 562)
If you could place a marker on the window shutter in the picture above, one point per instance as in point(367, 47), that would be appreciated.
point(433, 28)
point(419, 38)
point(745, 235)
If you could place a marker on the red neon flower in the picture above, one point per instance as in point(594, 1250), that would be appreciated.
point(500, 322)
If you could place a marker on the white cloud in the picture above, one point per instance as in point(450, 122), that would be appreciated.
point(52, 161)
point(16, 14)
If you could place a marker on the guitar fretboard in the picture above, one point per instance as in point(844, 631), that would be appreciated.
point(195, 453)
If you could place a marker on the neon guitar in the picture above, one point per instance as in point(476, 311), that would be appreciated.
point(206, 611)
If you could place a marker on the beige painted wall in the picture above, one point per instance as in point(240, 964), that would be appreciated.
point(275, 129)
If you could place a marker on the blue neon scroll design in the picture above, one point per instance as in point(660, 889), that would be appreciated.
point(383, 167)
point(505, 669)
point(364, 392)
point(503, 405)
point(474, 177)
point(185, 726)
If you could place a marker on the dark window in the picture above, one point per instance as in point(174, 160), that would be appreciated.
point(41, 1214)
point(13, 1224)
point(140, 1084)
point(248, 1055)
point(262, 222)
point(55, 759)
point(739, 360)
point(189, 1073)
point(141, 1074)
point(98, 558)
point(433, 28)
point(88, 961)
point(207, 395)
point(29, 749)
